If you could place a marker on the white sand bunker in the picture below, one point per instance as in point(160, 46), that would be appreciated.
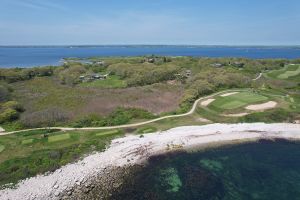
point(207, 102)
point(236, 115)
point(1, 129)
point(263, 106)
point(200, 119)
point(229, 94)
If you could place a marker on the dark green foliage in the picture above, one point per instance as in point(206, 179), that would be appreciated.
point(118, 117)
point(10, 111)
point(275, 115)
point(8, 115)
point(144, 74)
point(20, 74)
point(4, 93)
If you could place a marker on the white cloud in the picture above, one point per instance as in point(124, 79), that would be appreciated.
point(38, 4)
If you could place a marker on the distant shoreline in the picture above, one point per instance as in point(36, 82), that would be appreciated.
point(151, 46)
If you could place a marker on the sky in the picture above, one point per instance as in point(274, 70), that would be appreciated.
point(169, 22)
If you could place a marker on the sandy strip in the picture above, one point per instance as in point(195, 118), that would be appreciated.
point(229, 94)
point(236, 115)
point(134, 150)
point(207, 102)
point(263, 106)
point(200, 119)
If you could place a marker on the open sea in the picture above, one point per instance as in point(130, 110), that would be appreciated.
point(42, 56)
point(265, 170)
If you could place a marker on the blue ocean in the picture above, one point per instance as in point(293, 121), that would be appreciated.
point(43, 56)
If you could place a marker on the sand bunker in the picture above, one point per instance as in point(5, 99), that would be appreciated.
point(207, 102)
point(1, 129)
point(263, 106)
point(229, 94)
point(203, 120)
point(236, 115)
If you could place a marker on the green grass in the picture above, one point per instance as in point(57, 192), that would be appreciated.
point(58, 138)
point(147, 129)
point(108, 133)
point(236, 101)
point(41, 156)
point(2, 147)
point(27, 141)
point(287, 72)
point(111, 82)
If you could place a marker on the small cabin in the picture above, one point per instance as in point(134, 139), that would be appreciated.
point(238, 64)
point(217, 65)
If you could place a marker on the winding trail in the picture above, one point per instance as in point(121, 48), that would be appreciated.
point(258, 77)
point(129, 125)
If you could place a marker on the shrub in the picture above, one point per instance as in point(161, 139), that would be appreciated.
point(4, 93)
point(47, 117)
point(275, 115)
point(118, 117)
point(13, 105)
point(9, 115)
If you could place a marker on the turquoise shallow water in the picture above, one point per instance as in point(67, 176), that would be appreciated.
point(262, 170)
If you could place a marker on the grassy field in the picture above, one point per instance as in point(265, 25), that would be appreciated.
point(29, 153)
point(236, 101)
point(2, 147)
point(287, 72)
point(27, 141)
point(46, 93)
point(109, 83)
point(147, 129)
point(59, 138)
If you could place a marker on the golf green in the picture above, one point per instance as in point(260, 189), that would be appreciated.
point(237, 100)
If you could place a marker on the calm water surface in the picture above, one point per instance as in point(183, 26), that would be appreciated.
point(41, 56)
point(263, 170)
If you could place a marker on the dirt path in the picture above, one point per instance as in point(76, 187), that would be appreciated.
point(258, 77)
point(207, 102)
point(129, 125)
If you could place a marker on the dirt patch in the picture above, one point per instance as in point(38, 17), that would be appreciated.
point(236, 115)
point(263, 106)
point(229, 94)
point(203, 120)
point(156, 99)
point(41, 93)
point(207, 102)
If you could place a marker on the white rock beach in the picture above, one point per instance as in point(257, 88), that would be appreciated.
point(135, 150)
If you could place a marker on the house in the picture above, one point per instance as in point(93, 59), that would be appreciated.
point(238, 64)
point(149, 60)
point(100, 63)
point(217, 65)
point(92, 77)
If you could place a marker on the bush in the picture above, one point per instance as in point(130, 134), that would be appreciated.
point(118, 117)
point(9, 115)
point(47, 117)
point(13, 105)
point(4, 93)
point(275, 115)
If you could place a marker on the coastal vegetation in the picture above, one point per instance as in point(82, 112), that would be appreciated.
point(156, 84)
point(123, 90)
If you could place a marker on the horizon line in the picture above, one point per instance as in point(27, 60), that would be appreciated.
point(132, 45)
